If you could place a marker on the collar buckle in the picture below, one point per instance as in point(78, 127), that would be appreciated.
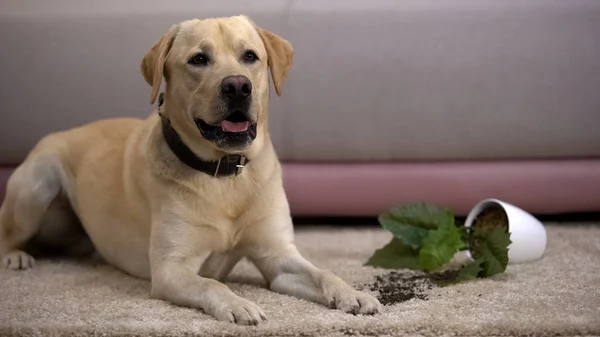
point(240, 166)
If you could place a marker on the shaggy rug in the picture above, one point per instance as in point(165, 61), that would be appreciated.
point(558, 295)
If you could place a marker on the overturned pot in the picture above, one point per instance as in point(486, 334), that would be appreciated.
point(527, 233)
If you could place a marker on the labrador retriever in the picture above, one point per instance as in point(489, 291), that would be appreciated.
point(180, 197)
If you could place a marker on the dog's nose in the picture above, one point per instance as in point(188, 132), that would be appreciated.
point(236, 86)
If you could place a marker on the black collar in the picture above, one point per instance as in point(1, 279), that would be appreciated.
point(229, 165)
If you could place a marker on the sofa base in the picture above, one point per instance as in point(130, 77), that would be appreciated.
point(540, 187)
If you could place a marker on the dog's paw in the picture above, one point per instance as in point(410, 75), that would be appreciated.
point(240, 311)
point(355, 302)
point(17, 259)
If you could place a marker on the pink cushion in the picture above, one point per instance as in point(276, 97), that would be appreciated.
point(367, 189)
point(541, 187)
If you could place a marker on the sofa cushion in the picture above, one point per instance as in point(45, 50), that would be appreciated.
point(372, 80)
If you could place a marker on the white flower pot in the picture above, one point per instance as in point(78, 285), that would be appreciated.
point(527, 233)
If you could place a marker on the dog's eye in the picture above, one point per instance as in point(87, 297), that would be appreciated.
point(199, 60)
point(250, 57)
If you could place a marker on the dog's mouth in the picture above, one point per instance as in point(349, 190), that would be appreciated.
point(236, 122)
point(234, 130)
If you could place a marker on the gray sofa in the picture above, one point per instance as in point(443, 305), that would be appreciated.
point(387, 101)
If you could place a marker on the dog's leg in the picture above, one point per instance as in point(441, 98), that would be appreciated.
point(219, 265)
point(177, 282)
point(29, 192)
point(289, 273)
point(175, 262)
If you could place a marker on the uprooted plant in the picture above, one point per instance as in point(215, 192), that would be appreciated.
point(427, 237)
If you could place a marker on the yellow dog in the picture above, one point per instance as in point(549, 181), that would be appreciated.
point(180, 197)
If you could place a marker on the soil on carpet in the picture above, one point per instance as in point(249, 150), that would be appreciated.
point(395, 287)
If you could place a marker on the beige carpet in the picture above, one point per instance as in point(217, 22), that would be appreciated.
point(558, 295)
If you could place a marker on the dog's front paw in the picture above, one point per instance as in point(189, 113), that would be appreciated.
point(239, 310)
point(18, 259)
point(355, 302)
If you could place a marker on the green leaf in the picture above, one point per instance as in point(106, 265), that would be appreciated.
point(495, 252)
point(469, 271)
point(412, 223)
point(409, 234)
point(439, 247)
point(395, 255)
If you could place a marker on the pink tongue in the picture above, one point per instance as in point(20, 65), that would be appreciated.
point(228, 126)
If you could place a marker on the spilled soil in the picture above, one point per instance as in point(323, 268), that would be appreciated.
point(397, 287)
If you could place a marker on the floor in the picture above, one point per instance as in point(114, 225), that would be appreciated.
point(557, 295)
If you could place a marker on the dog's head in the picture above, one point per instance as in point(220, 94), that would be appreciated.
point(217, 78)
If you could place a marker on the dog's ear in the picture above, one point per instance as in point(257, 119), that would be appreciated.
point(153, 63)
point(280, 54)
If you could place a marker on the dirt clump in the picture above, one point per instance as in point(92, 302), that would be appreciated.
point(395, 287)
